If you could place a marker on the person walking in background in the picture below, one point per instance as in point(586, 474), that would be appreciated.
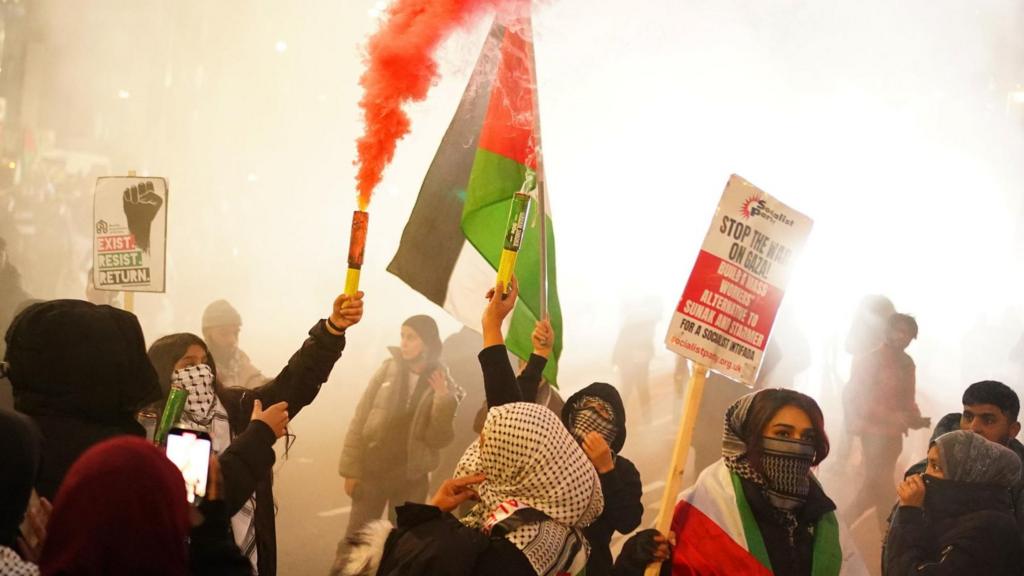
point(222, 325)
point(880, 409)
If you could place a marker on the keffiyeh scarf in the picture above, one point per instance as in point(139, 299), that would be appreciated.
point(540, 491)
point(585, 418)
point(785, 476)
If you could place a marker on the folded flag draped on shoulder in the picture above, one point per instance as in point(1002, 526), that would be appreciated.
point(717, 533)
point(452, 244)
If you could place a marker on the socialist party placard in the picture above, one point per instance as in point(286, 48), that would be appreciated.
point(728, 307)
point(130, 234)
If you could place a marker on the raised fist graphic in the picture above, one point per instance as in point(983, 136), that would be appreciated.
point(141, 204)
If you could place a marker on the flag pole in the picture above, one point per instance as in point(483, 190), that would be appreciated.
point(541, 181)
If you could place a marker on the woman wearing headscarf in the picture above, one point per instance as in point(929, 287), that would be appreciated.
point(244, 423)
point(403, 420)
point(594, 416)
point(535, 490)
point(759, 510)
point(957, 517)
point(20, 445)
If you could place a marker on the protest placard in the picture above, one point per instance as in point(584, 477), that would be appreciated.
point(130, 234)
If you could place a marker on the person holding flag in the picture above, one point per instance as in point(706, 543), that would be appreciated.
point(759, 510)
point(595, 417)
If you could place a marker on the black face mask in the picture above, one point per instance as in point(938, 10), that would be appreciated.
point(951, 498)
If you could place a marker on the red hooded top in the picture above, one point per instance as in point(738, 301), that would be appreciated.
point(121, 510)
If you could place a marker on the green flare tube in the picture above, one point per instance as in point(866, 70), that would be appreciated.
point(172, 413)
point(514, 230)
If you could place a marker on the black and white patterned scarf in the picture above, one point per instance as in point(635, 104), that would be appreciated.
point(786, 465)
point(204, 411)
point(540, 491)
point(198, 382)
point(585, 418)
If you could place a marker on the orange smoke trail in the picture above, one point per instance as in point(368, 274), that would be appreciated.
point(401, 68)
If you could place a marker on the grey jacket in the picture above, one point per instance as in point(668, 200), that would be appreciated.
point(430, 430)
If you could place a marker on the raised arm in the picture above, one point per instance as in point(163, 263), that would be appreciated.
point(299, 382)
point(500, 384)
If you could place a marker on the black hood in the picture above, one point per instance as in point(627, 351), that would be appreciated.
point(74, 358)
point(609, 394)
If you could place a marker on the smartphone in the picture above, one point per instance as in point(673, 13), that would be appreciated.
point(190, 452)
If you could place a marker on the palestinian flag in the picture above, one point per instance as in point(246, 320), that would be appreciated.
point(452, 244)
point(717, 534)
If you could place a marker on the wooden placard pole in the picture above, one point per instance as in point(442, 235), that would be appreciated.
point(691, 405)
point(129, 296)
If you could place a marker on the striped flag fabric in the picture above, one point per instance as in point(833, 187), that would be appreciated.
point(717, 534)
point(451, 246)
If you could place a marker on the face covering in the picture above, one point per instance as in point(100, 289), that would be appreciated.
point(787, 470)
point(587, 418)
point(198, 382)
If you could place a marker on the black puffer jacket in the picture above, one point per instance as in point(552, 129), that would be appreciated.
point(964, 528)
point(623, 490)
point(80, 371)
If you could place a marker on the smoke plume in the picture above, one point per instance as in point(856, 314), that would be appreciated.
point(401, 68)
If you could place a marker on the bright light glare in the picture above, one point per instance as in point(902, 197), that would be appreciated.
point(281, 46)
point(124, 94)
point(1017, 97)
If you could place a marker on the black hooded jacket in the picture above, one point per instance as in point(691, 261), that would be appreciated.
point(80, 371)
point(964, 528)
point(951, 422)
point(622, 488)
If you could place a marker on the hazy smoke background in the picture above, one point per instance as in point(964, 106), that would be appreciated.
point(893, 124)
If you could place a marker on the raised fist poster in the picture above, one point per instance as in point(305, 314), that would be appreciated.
point(130, 234)
point(729, 305)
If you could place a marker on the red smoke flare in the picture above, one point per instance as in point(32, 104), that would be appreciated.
point(401, 68)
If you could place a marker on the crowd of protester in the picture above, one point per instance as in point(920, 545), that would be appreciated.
point(474, 466)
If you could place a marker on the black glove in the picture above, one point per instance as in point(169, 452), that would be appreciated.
point(640, 551)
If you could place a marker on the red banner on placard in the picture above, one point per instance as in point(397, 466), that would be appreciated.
point(722, 295)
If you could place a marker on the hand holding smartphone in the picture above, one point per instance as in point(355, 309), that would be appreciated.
point(189, 450)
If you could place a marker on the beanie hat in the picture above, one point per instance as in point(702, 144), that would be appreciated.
point(221, 313)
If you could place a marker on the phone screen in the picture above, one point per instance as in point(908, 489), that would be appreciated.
point(190, 452)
